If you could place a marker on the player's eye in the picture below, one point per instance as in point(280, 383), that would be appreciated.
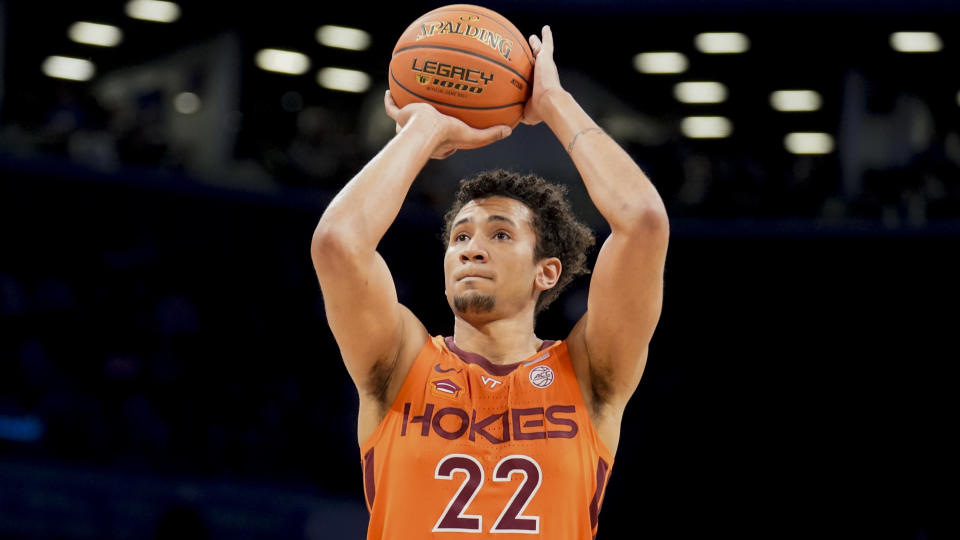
point(462, 237)
point(501, 235)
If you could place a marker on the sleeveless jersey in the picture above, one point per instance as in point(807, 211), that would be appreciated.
point(472, 449)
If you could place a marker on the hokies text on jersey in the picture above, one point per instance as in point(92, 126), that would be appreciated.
point(512, 424)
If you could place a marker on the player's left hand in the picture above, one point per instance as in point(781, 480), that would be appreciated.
point(546, 78)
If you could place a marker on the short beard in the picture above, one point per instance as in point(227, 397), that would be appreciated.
point(476, 303)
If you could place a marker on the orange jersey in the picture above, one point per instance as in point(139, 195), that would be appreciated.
point(470, 448)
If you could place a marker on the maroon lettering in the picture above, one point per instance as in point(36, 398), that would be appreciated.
point(455, 518)
point(518, 433)
point(512, 518)
point(552, 411)
point(441, 431)
point(526, 424)
point(423, 419)
point(480, 427)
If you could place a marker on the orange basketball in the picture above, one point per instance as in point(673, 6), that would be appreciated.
point(467, 61)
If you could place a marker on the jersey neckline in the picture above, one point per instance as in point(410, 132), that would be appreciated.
point(499, 370)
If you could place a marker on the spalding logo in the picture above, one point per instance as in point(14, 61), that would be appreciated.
point(495, 41)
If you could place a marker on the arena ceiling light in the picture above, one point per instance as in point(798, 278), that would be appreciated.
point(282, 61)
point(152, 10)
point(700, 92)
point(795, 100)
point(343, 80)
point(101, 35)
point(915, 42)
point(186, 103)
point(342, 37)
point(722, 42)
point(66, 67)
point(660, 62)
point(808, 143)
point(706, 127)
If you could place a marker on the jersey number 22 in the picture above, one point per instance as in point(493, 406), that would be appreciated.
point(511, 519)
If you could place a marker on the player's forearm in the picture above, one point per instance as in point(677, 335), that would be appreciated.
point(618, 187)
point(367, 206)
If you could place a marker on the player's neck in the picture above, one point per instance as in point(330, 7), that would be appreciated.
point(503, 341)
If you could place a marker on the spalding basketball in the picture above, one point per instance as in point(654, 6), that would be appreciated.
point(468, 62)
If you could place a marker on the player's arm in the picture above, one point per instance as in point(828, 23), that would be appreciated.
point(371, 327)
point(626, 287)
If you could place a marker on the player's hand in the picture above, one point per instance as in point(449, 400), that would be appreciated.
point(456, 135)
point(546, 78)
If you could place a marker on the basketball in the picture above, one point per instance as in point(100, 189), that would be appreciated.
point(467, 61)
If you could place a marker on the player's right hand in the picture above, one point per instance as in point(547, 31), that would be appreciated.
point(546, 78)
point(455, 134)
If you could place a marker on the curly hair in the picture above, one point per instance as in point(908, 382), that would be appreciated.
point(559, 233)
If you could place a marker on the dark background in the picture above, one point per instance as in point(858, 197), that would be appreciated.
point(165, 366)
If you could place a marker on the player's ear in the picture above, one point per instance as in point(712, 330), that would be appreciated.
point(548, 273)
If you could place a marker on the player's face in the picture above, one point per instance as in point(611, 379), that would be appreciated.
point(489, 266)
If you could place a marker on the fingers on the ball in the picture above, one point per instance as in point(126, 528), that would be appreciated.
point(390, 104)
point(535, 44)
point(493, 134)
point(547, 37)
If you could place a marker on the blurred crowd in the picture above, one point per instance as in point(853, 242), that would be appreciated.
point(896, 160)
point(146, 333)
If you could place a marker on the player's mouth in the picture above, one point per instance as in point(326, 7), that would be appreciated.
point(477, 276)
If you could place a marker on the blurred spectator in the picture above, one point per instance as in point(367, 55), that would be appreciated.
point(181, 522)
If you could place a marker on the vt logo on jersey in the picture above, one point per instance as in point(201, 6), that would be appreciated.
point(490, 382)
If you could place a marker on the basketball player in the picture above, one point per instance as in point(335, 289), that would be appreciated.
point(494, 431)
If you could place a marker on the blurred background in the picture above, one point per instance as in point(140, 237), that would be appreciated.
point(165, 366)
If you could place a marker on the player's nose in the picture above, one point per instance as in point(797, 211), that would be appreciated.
point(473, 252)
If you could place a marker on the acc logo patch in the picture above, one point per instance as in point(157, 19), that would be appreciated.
point(541, 376)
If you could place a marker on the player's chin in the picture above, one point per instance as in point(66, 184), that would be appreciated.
point(473, 302)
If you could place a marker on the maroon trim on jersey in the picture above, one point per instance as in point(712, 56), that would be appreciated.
point(602, 468)
point(368, 478)
point(500, 370)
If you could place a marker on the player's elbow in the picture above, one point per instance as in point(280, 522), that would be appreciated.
point(330, 244)
point(647, 220)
